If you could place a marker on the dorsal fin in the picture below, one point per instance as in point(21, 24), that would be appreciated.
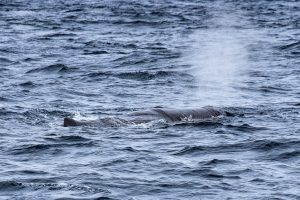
point(69, 122)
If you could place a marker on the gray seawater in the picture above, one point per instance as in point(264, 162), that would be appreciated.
point(104, 59)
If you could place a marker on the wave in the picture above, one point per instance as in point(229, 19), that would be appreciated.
point(215, 162)
point(5, 60)
point(55, 148)
point(28, 84)
point(51, 68)
point(5, 111)
point(210, 174)
point(68, 138)
point(274, 89)
point(293, 154)
point(96, 52)
point(60, 35)
point(5, 99)
point(295, 45)
point(140, 75)
point(10, 185)
point(47, 184)
point(258, 145)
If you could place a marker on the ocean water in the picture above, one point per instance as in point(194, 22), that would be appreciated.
point(104, 59)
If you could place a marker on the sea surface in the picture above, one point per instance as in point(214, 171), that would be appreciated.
point(104, 59)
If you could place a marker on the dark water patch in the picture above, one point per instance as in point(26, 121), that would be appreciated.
point(5, 99)
point(295, 53)
point(68, 138)
point(6, 112)
point(215, 162)
point(28, 84)
point(294, 154)
point(60, 35)
point(10, 186)
point(140, 75)
point(239, 111)
point(115, 45)
point(75, 10)
point(260, 74)
point(87, 198)
point(276, 195)
point(269, 145)
point(291, 46)
point(114, 162)
point(10, 50)
point(30, 59)
point(69, 18)
point(213, 175)
point(203, 123)
point(99, 74)
point(27, 172)
point(88, 52)
point(129, 149)
point(174, 185)
point(18, 185)
point(258, 180)
point(209, 173)
point(240, 171)
point(138, 61)
point(135, 23)
point(5, 60)
point(259, 145)
point(166, 54)
point(2, 69)
point(52, 68)
point(273, 89)
point(36, 149)
point(245, 128)
point(54, 149)
point(33, 172)
point(80, 92)
point(156, 46)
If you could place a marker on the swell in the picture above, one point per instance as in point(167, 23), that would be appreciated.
point(140, 75)
point(56, 148)
point(59, 68)
point(50, 186)
point(257, 145)
point(210, 174)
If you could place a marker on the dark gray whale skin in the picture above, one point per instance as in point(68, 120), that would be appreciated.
point(170, 115)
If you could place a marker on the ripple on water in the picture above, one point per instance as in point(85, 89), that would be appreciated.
point(28, 84)
point(59, 68)
point(55, 149)
point(6, 186)
point(258, 145)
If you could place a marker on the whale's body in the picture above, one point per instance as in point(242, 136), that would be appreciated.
point(170, 115)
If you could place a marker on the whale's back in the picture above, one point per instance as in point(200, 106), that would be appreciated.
point(181, 114)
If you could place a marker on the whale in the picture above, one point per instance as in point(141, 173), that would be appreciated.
point(167, 114)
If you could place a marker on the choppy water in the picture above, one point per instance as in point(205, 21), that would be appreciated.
point(95, 59)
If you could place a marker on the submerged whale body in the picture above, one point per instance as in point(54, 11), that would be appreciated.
point(170, 115)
